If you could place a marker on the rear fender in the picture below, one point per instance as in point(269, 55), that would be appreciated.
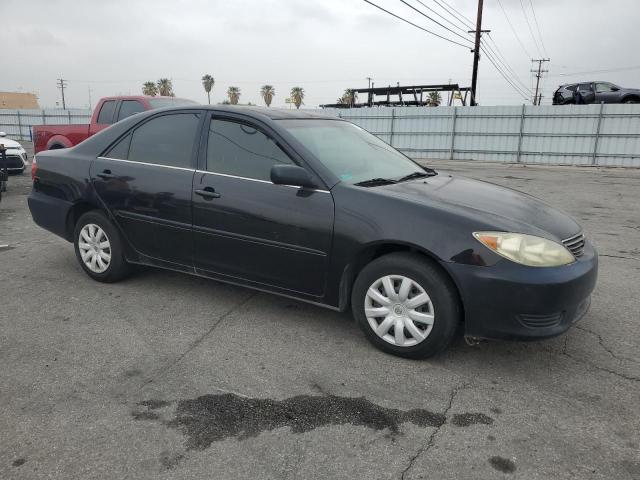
point(58, 141)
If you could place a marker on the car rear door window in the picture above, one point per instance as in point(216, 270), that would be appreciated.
point(128, 108)
point(603, 87)
point(166, 140)
point(121, 149)
point(105, 117)
point(241, 150)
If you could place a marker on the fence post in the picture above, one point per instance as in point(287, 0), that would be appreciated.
point(594, 160)
point(521, 134)
point(69, 114)
point(393, 119)
point(19, 125)
point(453, 132)
point(44, 118)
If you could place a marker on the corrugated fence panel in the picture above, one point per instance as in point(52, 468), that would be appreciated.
point(606, 135)
point(17, 123)
point(558, 135)
point(619, 141)
point(421, 130)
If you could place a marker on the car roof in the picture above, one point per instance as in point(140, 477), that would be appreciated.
point(257, 112)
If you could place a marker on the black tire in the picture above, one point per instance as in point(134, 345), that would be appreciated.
point(631, 100)
point(437, 285)
point(118, 268)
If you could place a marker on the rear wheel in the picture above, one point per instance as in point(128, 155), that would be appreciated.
point(99, 248)
point(406, 306)
point(632, 100)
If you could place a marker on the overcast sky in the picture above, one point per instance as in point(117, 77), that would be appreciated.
point(112, 47)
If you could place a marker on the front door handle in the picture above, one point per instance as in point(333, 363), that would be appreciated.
point(207, 193)
point(106, 174)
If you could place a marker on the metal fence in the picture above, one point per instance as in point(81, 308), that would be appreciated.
point(607, 135)
point(17, 123)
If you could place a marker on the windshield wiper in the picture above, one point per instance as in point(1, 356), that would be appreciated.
point(374, 182)
point(411, 176)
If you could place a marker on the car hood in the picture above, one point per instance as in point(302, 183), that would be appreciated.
point(503, 208)
point(10, 144)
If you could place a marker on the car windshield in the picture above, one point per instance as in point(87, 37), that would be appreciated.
point(351, 153)
point(170, 102)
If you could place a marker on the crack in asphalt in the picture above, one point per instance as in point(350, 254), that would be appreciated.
point(604, 369)
point(431, 441)
point(618, 256)
point(604, 347)
point(200, 339)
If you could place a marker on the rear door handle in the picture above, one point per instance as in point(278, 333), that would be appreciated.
point(106, 174)
point(207, 193)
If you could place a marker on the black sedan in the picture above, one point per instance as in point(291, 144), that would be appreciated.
point(317, 209)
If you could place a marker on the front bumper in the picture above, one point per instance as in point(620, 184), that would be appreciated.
point(14, 163)
point(512, 301)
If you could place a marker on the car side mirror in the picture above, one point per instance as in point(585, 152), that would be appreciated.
point(291, 175)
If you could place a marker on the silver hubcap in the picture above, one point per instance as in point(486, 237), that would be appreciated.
point(95, 248)
point(399, 310)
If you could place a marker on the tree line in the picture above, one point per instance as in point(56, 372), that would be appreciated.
point(164, 88)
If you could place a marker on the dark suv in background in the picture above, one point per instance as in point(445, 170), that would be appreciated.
point(595, 92)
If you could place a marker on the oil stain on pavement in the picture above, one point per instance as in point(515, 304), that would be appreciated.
point(211, 418)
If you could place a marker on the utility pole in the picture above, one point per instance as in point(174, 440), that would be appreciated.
point(62, 83)
point(89, 90)
point(539, 72)
point(476, 52)
point(369, 78)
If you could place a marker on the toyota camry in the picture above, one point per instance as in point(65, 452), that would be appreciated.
point(315, 208)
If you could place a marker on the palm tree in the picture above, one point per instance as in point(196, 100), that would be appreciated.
point(297, 95)
point(165, 88)
point(234, 95)
point(268, 92)
point(207, 83)
point(149, 88)
point(349, 97)
point(435, 99)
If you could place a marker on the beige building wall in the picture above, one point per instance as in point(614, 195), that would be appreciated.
point(16, 100)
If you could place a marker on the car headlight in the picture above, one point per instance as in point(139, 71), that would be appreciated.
point(526, 249)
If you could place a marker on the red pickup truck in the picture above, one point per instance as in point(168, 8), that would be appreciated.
point(109, 110)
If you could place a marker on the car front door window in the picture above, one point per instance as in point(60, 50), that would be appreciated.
point(241, 150)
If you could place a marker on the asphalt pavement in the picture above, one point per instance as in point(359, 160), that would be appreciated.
point(167, 376)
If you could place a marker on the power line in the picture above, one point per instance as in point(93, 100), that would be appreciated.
point(457, 15)
point(502, 61)
point(435, 12)
point(535, 19)
point(505, 76)
point(524, 12)
point(413, 24)
point(526, 52)
point(608, 70)
point(498, 53)
point(435, 21)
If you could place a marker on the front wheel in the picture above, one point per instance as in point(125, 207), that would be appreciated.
point(406, 306)
point(99, 248)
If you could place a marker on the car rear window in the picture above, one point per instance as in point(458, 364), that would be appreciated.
point(106, 112)
point(128, 108)
point(166, 140)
